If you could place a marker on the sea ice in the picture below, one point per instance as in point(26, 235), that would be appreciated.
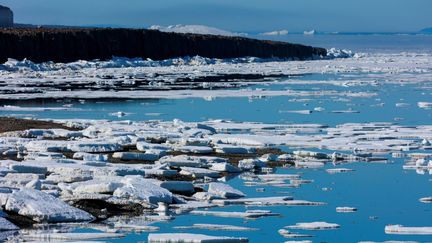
point(42, 207)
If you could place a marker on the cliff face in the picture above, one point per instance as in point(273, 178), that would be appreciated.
point(6, 17)
point(66, 45)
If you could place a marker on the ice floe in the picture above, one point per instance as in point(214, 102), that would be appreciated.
point(191, 238)
point(314, 226)
point(404, 230)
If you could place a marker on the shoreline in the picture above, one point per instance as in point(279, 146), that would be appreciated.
point(12, 124)
point(68, 45)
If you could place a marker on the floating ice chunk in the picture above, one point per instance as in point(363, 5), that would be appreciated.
point(426, 199)
point(305, 154)
point(302, 112)
point(94, 147)
point(90, 157)
point(247, 214)
point(424, 105)
point(420, 162)
point(288, 234)
point(119, 114)
point(314, 226)
point(231, 149)
point(205, 196)
point(224, 190)
point(278, 177)
point(191, 205)
point(136, 156)
point(70, 236)
point(105, 185)
point(143, 189)
point(191, 238)
point(216, 227)
point(47, 146)
point(426, 142)
point(251, 164)
point(21, 108)
point(195, 149)
point(5, 225)
point(42, 207)
point(345, 111)
point(224, 167)
point(339, 170)
point(298, 241)
point(144, 146)
point(402, 230)
point(346, 209)
point(27, 168)
point(198, 172)
point(135, 227)
point(402, 105)
point(309, 164)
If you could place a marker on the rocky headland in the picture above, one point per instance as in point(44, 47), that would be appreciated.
point(71, 44)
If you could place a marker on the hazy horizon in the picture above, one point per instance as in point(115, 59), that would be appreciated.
point(239, 16)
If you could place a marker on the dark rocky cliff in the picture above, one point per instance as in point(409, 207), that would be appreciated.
point(66, 45)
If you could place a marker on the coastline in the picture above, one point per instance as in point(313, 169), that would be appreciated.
point(68, 45)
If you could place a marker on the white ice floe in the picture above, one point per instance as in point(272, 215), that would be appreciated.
point(142, 189)
point(426, 199)
point(199, 172)
point(42, 207)
point(288, 234)
point(403, 230)
point(346, 209)
point(314, 226)
point(191, 238)
point(148, 156)
point(70, 236)
point(36, 109)
point(424, 105)
point(339, 170)
point(224, 167)
point(224, 190)
point(93, 147)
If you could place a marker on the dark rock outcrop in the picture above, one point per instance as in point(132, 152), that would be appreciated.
point(6, 17)
point(66, 45)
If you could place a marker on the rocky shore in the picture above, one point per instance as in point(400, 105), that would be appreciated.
point(67, 45)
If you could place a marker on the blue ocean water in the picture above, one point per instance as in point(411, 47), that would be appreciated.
point(384, 193)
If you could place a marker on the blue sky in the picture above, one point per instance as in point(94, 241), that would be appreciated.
point(234, 15)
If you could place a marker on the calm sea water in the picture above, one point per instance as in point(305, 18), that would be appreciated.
point(383, 193)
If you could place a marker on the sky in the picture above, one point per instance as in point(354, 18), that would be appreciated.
point(233, 15)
